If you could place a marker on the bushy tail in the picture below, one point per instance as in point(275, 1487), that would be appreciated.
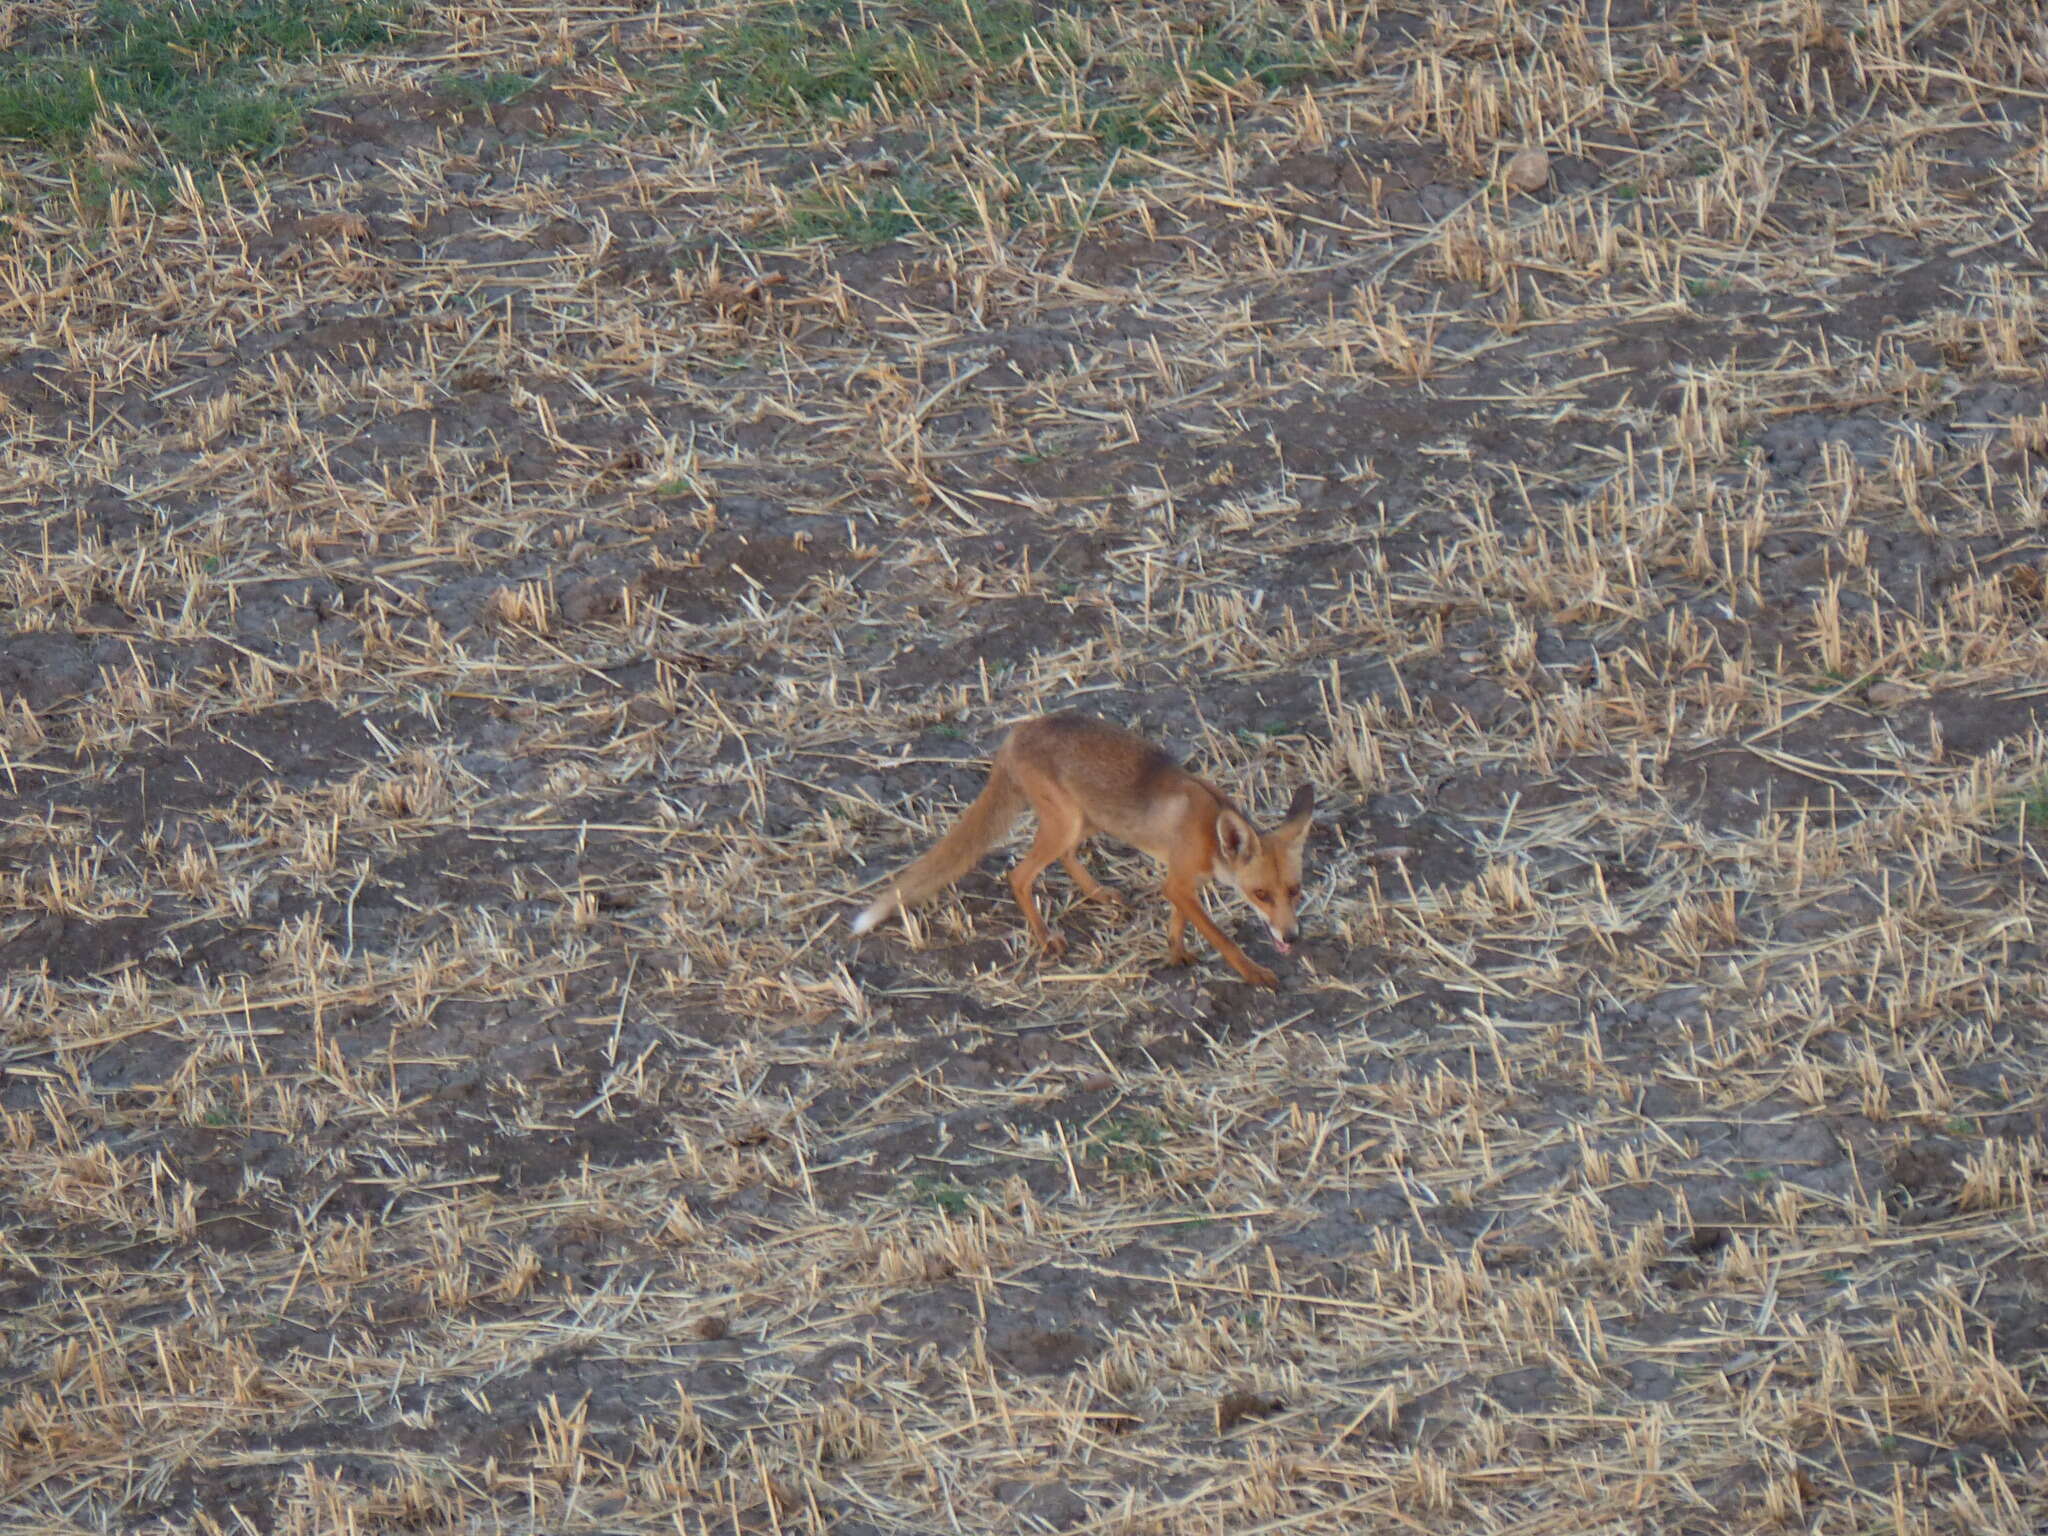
point(980, 827)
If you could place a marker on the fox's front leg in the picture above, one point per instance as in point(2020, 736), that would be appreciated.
point(1187, 908)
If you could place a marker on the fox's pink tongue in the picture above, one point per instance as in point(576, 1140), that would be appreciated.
point(1283, 946)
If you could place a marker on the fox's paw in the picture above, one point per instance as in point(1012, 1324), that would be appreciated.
point(1109, 897)
point(1178, 957)
point(1259, 976)
point(1053, 944)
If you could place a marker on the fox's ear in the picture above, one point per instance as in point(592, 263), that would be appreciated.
point(1294, 829)
point(1235, 839)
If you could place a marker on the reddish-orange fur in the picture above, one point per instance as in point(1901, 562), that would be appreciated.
point(1084, 776)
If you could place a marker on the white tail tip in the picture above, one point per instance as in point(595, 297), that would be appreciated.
point(867, 919)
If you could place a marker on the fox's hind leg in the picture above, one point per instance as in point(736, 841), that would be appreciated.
point(1092, 889)
point(1061, 826)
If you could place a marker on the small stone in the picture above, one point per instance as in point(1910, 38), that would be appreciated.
point(1529, 170)
point(648, 709)
point(333, 226)
point(1234, 1407)
point(594, 597)
point(1889, 695)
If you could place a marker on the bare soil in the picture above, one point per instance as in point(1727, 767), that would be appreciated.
point(481, 594)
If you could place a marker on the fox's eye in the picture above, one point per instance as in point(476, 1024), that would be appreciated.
point(1293, 891)
point(1262, 895)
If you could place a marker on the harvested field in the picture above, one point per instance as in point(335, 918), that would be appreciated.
point(513, 516)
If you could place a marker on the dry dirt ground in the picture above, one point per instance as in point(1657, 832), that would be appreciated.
point(483, 585)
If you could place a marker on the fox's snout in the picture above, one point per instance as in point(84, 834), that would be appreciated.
point(1274, 902)
point(1281, 921)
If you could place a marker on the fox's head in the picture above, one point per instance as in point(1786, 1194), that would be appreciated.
point(1266, 866)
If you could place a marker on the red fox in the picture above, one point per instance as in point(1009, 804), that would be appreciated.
point(1083, 776)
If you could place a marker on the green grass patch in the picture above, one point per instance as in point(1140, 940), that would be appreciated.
point(1254, 51)
point(871, 214)
point(1127, 125)
point(1128, 1145)
point(942, 1194)
point(2029, 808)
point(495, 89)
point(1057, 96)
point(184, 73)
point(809, 59)
point(825, 58)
